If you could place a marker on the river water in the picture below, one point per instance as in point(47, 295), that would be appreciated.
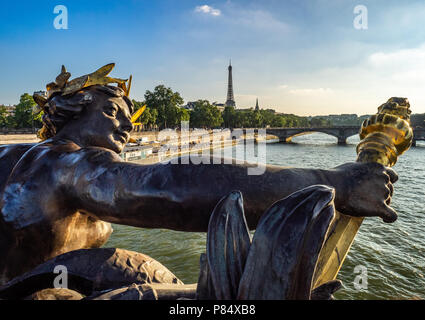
point(393, 255)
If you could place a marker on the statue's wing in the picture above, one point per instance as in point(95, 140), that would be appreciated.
point(286, 246)
point(205, 289)
point(228, 243)
point(326, 290)
point(90, 270)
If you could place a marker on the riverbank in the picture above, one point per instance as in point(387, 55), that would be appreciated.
point(160, 151)
point(176, 146)
point(18, 138)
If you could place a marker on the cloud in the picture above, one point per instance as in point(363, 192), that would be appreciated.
point(404, 68)
point(206, 9)
point(404, 58)
point(258, 19)
point(362, 86)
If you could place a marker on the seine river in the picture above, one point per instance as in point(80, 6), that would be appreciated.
point(393, 254)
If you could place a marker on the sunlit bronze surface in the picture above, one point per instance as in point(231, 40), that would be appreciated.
point(384, 137)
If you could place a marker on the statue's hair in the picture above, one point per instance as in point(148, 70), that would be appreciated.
point(59, 110)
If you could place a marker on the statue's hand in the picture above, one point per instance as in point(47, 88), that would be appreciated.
point(365, 190)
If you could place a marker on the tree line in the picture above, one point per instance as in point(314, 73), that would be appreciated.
point(164, 111)
point(23, 116)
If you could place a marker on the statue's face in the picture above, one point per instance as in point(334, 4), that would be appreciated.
point(106, 123)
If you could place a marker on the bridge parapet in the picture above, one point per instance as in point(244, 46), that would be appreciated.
point(419, 133)
point(341, 133)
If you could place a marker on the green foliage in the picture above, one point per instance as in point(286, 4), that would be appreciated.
point(149, 117)
point(23, 116)
point(3, 116)
point(167, 103)
point(153, 117)
point(255, 119)
point(229, 117)
point(278, 121)
point(337, 120)
point(320, 122)
point(145, 118)
point(251, 118)
point(267, 117)
point(23, 111)
point(205, 115)
point(183, 114)
point(138, 105)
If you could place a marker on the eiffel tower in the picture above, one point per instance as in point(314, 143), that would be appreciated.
point(230, 98)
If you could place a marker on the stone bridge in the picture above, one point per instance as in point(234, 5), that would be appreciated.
point(418, 134)
point(341, 133)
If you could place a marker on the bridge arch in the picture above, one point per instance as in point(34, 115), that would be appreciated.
point(341, 133)
point(289, 139)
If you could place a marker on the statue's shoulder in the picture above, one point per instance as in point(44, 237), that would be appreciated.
point(9, 157)
point(63, 153)
point(41, 169)
point(57, 156)
point(11, 152)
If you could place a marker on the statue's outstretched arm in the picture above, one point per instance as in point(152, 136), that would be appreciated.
point(182, 196)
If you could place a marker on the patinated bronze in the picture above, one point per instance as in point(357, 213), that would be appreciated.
point(91, 272)
point(280, 262)
point(61, 194)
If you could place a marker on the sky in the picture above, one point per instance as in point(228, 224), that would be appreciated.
point(304, 57)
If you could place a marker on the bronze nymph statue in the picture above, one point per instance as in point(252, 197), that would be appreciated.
point(62, 194)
